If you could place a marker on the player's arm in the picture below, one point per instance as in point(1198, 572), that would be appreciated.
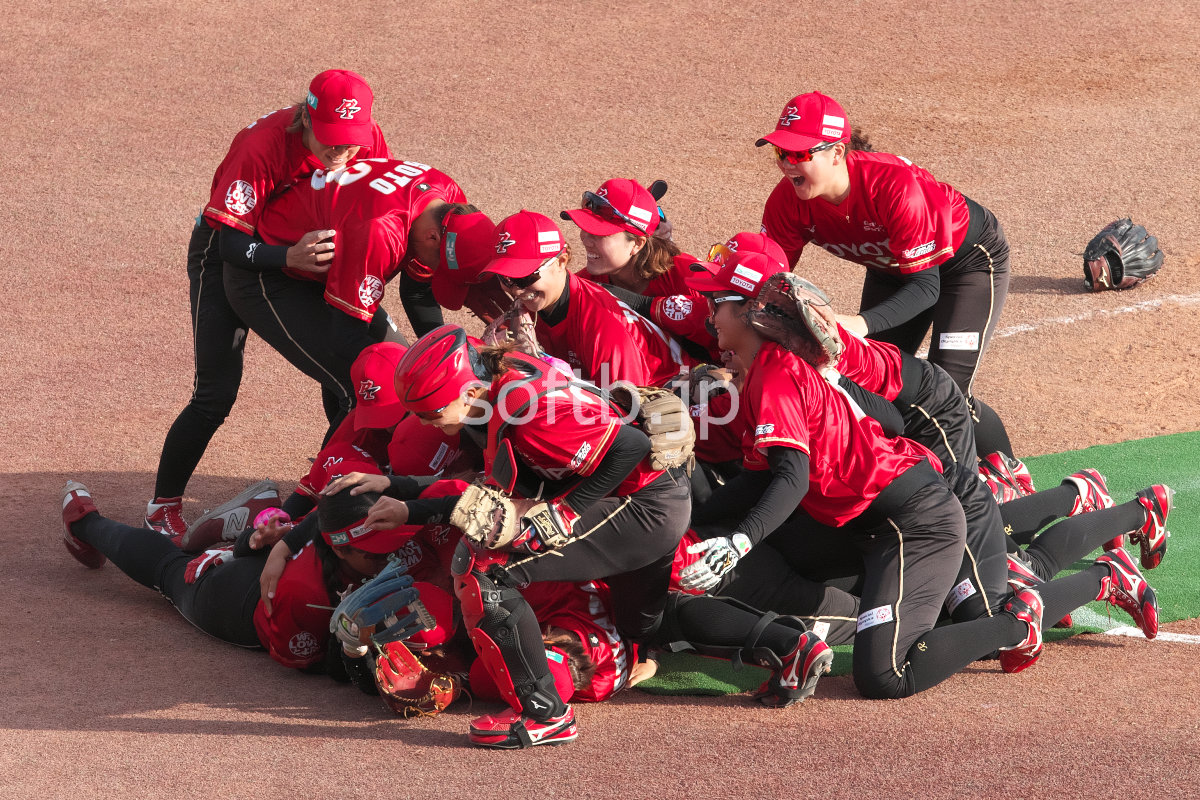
point(766, 497)
point(247, 251)
point(919, 292)
point(419, 304)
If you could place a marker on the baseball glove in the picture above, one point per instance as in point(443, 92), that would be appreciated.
point(515, 325)
point(385, 608)
point(1120, 256)
point(410, 688)
point(486, 516)
point(664, 418)
point(705, 382)
point(796, 314)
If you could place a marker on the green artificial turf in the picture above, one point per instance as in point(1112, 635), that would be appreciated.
point(1129, 466)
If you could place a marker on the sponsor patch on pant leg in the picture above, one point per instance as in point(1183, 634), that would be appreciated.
point(961, 340)
point(876, 616)
point(959, 593)
point(821, 629)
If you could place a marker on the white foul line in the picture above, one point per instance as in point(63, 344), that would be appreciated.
point(1163, 636)
point(1180, 299)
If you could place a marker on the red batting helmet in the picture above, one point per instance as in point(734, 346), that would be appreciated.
point(436, 370)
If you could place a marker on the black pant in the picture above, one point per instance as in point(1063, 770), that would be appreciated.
point(293, 317)
point(219, 338)
point(630, 542)
point(221, 602)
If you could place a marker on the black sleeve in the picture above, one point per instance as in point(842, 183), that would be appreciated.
point(733, 498)
point(886, 414)
point(249, 252)
point(348, 336)
point(918, 293)
point(409, 487)
point(417, 298)
point(297, 505)
point(427, 510)
point(789, 484)
point(638, 302)
point(627, 450)
point(302, 533)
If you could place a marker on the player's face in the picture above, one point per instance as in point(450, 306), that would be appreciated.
point(331, 156)
point(731, 328)
point(609, 254)
point(366, 564)
point(545, 291)
point(451, 419)
point(812, 178)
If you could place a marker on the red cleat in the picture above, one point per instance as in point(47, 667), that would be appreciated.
point(77, 504)
point(1126, 589)
point(511, 729)
point(1093, 493)
point(226, 522)
point(165, 515)
point(1026, 605)
point(796, 680)
point(1152, 536)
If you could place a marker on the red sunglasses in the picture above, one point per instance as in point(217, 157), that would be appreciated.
point(801, 156)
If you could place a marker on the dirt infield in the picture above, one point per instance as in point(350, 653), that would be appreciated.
point(117, 116)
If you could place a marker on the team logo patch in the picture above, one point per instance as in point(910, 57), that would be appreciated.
point(919, 250)
point(580, 455)
point(304, 645)
point(348, 108)
point(506, 241)
point(367, 389)
point(765, 429)
point(370, 291)
point(788, 116)
point(240, 198)
point(959, 593)
point(677, 307)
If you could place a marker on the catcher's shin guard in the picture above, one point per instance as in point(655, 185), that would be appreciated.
point(505, 633)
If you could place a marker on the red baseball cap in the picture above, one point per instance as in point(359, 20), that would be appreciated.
point(808, 120)
point(378, 542)
point(468, 243)
point(741, 265)
point(618, 205)
point(522, 243)
point(339, 105)
point(340, 458)
point(373, 374)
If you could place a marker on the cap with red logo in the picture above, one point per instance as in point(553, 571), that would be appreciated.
point(741, 265)
point(339, 105)
point(522, 243)
point(808, 120)
point(618, 205)
point(373, 374)
point(468, 244)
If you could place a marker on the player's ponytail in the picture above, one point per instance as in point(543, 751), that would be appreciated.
point(656, 257)
point(859, 141)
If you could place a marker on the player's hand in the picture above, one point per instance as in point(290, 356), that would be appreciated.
point(269, 579)
point(719, 556)
point(642, 671)
point(387, 513)
point(312, 253)
point(357, 483)
point(854, 324)
point(270, 526)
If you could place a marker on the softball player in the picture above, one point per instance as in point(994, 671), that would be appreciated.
point(387, 216)
point(618, 224)
point(577, 321)
point(329, 128)
point(887, 494)
point(561, 440)
point(218, 592)
point(934, 257)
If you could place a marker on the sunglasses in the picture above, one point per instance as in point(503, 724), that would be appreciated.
point(601, 207)
point(528, 280)
point(801, 156)
point(719, 254)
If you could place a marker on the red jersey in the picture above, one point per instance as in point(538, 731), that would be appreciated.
point(787, 404)
point(555, 425)
point(263, 161)
point(875, 366)
point(717, 441)
point(371, 204)
point(678, 309)
point(607, 341)
point(583, 609)
point(418, 449)
point(296, 634)
point(897, 218)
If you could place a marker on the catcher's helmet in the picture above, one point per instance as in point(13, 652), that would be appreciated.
point(436, 370)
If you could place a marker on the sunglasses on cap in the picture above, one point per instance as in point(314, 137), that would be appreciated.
point(601, 207)
point(801, 156)
point(720, 254)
